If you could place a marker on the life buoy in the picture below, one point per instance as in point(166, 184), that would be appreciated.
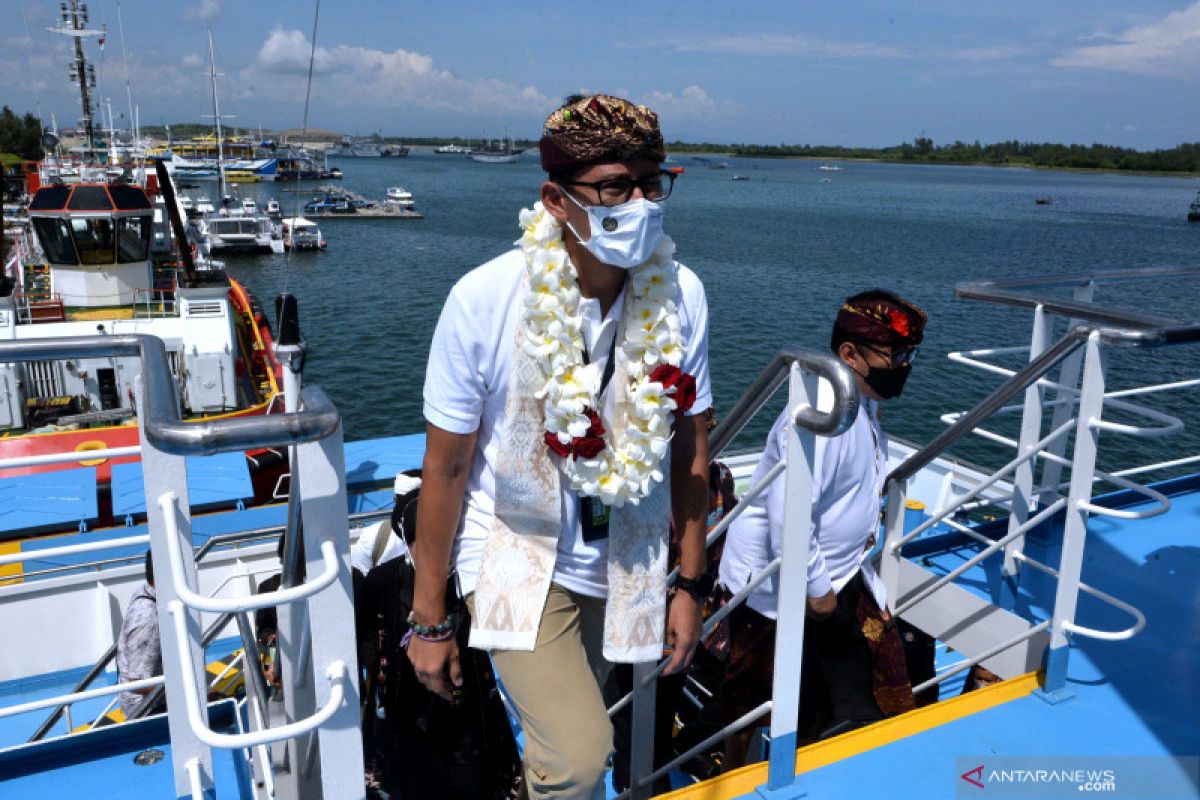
point(91, 444)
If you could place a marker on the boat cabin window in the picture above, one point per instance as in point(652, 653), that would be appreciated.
point(94, 240)
point(133, 239)
point(54, 233)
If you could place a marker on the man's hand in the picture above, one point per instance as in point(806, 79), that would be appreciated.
point(823, 606)
point(436, 665)
point(683, 631)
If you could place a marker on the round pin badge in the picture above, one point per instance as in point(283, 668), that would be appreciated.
point(609, 223)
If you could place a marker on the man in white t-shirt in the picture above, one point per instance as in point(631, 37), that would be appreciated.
point(854, 667)
point(537, 445)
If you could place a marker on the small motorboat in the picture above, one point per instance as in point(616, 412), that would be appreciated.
point(1043, 201)
point(302, 234)
point(273, 209)
point(398, 196)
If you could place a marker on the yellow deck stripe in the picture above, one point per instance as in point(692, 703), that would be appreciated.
point(11, 571)
point(744, 781)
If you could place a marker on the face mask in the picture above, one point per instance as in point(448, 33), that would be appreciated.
point(887, 382)
point(622, 236)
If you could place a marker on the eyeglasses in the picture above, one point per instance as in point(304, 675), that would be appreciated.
point(897, 358)
point(615, 191)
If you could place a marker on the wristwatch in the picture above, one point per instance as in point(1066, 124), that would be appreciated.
point(699, 587)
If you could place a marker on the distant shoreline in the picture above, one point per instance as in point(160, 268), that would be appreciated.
point(715, 154)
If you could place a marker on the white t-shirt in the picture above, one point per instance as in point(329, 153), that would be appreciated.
point(363, 551)
point(466, 383)
point(848, 476)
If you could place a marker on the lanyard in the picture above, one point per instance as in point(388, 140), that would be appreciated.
point(608, 366)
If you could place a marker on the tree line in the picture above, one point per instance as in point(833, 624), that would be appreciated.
point(1183, 158)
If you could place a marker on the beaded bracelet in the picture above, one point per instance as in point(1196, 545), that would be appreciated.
point(410, 634)
point(425, 631)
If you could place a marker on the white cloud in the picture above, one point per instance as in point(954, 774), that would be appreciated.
point(203, 11)
point(1169, 47)
point(289, 52)
point(774, 44)
point(691, 102)
point(400, 79)
point(192, 61)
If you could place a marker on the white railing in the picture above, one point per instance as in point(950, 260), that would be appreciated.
point(320, 634)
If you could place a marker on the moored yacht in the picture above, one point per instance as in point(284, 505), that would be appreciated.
point(399, 196)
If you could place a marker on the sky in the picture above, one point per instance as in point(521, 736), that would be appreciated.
point(839, 72)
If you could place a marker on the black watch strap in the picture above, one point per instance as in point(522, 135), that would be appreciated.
point(699, 587)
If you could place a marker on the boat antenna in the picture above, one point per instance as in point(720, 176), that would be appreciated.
point(312, 55)
point(74, 18)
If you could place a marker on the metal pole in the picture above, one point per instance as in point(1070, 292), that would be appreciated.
point(164, 474)
point(1091, 406)
point(1022, 497)
point(1068, 375)
point(793, 585)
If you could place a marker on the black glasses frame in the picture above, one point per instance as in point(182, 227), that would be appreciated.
point(897, 358)
point(666, 178)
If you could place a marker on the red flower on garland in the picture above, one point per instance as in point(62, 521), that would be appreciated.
point(684, 386)
point(899, 322)
point(587, 446)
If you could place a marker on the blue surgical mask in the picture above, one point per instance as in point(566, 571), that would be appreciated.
point(622, 236)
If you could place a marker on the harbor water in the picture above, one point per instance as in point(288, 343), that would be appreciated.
point(777, 253)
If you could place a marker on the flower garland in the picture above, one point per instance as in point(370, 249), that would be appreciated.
point(621, 466)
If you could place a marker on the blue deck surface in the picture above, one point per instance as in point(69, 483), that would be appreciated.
point(219, 481)
point(100, 763)
point(48, 500)
point(1137, 697)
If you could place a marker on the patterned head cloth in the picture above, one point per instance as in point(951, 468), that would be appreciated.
point(883, 317)
point(600, 127)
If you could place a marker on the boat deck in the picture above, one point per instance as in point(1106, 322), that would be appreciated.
point(1132, 698)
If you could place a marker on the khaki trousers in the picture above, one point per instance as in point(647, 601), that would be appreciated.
point(556, 689)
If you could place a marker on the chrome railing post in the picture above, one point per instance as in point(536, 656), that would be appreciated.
point(1083, 465)
point(1068, 376)
point(793, 582)
point(163, 474)
point(1022, 503)
point(641, 735)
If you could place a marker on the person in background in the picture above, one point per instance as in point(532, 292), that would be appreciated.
point(564, 384)
point(854, 662)
point(139, 651)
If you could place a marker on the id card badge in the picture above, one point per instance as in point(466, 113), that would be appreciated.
point(593, 517)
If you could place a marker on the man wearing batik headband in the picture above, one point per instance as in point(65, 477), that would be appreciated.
point(564, 400)
point(854, 666)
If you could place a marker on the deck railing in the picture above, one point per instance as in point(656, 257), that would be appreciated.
point(320, 729)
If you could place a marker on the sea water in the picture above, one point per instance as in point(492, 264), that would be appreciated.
point(777, 254)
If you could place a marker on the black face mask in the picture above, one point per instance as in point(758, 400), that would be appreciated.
point(887, 382)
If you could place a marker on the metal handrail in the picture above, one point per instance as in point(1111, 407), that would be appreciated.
point(72, 549)
point(949, 577)
point(76, 697)
point(169, 504)
point(336, 673)
point(1021, 381)
point(826, 365)
point(1018, 292)
point(163, 425)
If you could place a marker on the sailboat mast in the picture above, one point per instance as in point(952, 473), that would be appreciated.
point(212, 60)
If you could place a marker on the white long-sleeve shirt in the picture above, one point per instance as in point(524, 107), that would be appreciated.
point(848, 476)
